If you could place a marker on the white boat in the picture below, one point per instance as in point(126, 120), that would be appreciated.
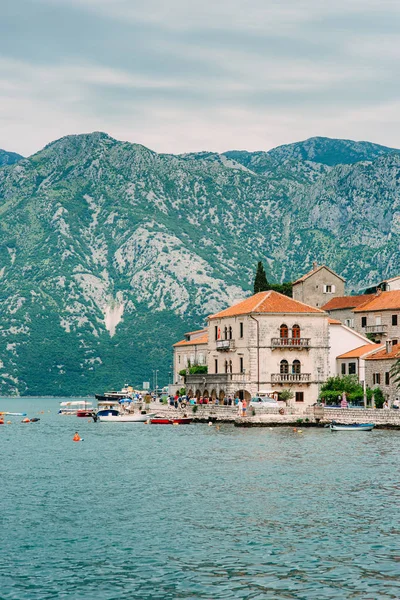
point(351, 427)
point(71, 408)
point(112, 415)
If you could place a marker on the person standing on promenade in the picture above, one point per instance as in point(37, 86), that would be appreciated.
point(240, 408)
point(244, 407)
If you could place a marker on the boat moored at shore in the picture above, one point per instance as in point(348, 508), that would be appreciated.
point(351, 426)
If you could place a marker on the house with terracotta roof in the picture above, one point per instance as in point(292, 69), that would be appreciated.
point(267, 342)
point(318, 286)
point(377, 370)
point(380, 316)
point(342, 340)
point(342, 307)
point(190, 351)
point(353, 361)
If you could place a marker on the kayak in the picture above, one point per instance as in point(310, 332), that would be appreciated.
point(166, 421)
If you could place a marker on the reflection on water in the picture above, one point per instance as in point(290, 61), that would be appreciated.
point(145, 512)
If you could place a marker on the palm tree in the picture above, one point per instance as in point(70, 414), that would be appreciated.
point(395, 373)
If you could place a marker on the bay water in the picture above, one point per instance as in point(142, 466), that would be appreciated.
point(152, 512)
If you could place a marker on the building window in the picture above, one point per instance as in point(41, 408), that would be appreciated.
point(216, 365)
point(376, 378)
point(363, 321)
point(394, 342)
point(394, 320)
point(179, 359)
point(284, 331)
point(226, 366)
point(329, 289)
point(296, 333)
point(230, 367)
point(216, 332)
point(241, 364)
point(343, 368)
point(352, 368)
point(299, 396)
point(230, 332)
point(225, 333)
point(296, 367)
point(241, 329)
point(284, 367)
point(387, 378)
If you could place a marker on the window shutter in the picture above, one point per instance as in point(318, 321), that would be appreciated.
point(333, 289)
point(324, 289)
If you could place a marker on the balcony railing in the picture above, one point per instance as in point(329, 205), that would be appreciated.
point(225, 344)
point(291, 377)
point(282, 342)
point(376, 329)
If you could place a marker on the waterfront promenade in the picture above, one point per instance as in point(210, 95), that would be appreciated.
point(270, 416)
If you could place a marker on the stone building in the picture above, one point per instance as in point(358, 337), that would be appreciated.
point(380, 317)
point(318, 286)
point(268, 342)
point(342, 307)
point(353, 362)
point(377, 370)
point(190, 351)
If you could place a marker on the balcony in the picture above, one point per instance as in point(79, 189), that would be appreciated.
point(225, 345)
point(283, 342)
point(291, 377)
point(376, 329)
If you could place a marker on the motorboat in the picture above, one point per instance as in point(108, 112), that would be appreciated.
point(351, 426)
point(73, 407)
point(114, 415)
point(113, 397)
point(170, 421)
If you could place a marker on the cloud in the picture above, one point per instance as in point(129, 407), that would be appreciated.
point(180, 76)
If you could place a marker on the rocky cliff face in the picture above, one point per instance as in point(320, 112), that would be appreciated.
point(109, 251)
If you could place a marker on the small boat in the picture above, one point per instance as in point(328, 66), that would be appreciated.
point(113, 415)
point(13, 414)
point(170, 421)
point(72, 408)
point(351, 426)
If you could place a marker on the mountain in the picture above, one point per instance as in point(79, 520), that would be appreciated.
point(109, 251)
point(8, 158)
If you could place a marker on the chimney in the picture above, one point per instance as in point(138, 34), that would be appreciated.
point(388, 346)
point(378, 291)
point(314, 265)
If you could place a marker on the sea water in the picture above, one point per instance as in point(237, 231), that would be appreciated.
point(151, 512)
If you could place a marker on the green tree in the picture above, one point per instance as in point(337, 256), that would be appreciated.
point(260, 282)
point(395, 373)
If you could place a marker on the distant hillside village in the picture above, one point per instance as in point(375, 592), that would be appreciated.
point(270, 343)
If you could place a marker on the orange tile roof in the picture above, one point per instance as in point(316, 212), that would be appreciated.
point(307, 275)
point(347, 302)
point(266, 302)
point(203, 339)
point(382, 301)
point(383, 355)
point(361, 350)
point(334, 322)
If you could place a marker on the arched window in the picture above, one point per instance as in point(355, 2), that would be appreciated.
point(230, 332)
point(226, 366)
point(226, 333)
point(296, 368)
point(284, 367)
point(296, 334)
point(230, 366)
point(284, 332)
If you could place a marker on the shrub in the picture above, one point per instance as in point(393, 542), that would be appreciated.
point(379, 397)
point(194, 409)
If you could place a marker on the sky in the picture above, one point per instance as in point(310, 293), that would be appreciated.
point(180, 76)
